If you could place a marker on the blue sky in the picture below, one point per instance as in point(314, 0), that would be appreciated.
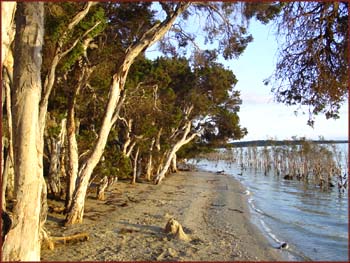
point(263, 117)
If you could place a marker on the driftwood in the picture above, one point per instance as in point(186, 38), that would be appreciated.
point(174, 228)
point(50, 241)
point(73, 238)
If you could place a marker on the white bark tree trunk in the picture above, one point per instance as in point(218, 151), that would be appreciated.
point(134, 174)
point(22, 243)
point(8, 171)
point(172, 153)
point(174, 164)
point(101, 188)
point(73, 154)
point(8, 10)
point(76, 211)
point(149, 166)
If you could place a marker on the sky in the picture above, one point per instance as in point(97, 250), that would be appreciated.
point(264, 118)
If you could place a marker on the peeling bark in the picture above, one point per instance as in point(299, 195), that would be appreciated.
point(8, 171)
point(8, 10)
point(22, 243)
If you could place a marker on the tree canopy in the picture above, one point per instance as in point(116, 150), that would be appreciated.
point(313, 58)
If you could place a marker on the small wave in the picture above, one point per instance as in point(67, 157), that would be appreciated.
point(269, 232)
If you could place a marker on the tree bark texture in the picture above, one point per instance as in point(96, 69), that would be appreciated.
point(22, 243)
point(76, 211)
point(54, 170)
point(7, 28)
point(102, 188)
point(8, 171)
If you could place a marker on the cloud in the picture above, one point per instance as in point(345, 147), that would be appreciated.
point(250, 98)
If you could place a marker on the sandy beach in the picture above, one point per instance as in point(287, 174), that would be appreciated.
point(129, 224)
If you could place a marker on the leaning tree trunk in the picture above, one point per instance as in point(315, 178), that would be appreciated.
point(22, 243)
point(76, 210)
point(172, 153)
point(73, 154)
point(174, 164)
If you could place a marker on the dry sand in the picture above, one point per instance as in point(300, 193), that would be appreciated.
point(129, 224)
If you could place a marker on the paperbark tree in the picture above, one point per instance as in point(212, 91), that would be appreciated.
point(76, 211)
point(7, 28)
point(8, 170)
point(73, 153)
point(7, 36)
point(22, 243)
point(186, 138)
point(56, 146)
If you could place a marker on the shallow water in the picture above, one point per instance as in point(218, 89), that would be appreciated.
point(312, 222)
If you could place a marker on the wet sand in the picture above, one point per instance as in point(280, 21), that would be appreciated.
point(129, 224)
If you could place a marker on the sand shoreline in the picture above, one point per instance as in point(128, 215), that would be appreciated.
point(128, 225)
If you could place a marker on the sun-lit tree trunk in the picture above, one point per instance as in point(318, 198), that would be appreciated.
point(102, 188)
point(8, 170)
point(22, 243)
point(174, 164)
point(76, 211)
point(149, 166)
point(134, 174)
point(7, 28)
point(73, 154)
point(7, 33)
point(172, 153)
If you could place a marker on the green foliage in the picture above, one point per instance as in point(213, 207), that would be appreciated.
point(73, 57)
point(313, 63)
point(193, 149)
point(114, 164)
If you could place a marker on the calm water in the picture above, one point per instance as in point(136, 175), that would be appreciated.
point(312, 222)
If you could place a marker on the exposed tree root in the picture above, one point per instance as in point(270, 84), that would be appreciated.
point(51, 241)
point(174, 228)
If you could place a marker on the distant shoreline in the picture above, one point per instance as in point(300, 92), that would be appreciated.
point(282, 142)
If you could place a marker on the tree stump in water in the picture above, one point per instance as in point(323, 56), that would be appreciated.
point(101, 188)
point(174, 228)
